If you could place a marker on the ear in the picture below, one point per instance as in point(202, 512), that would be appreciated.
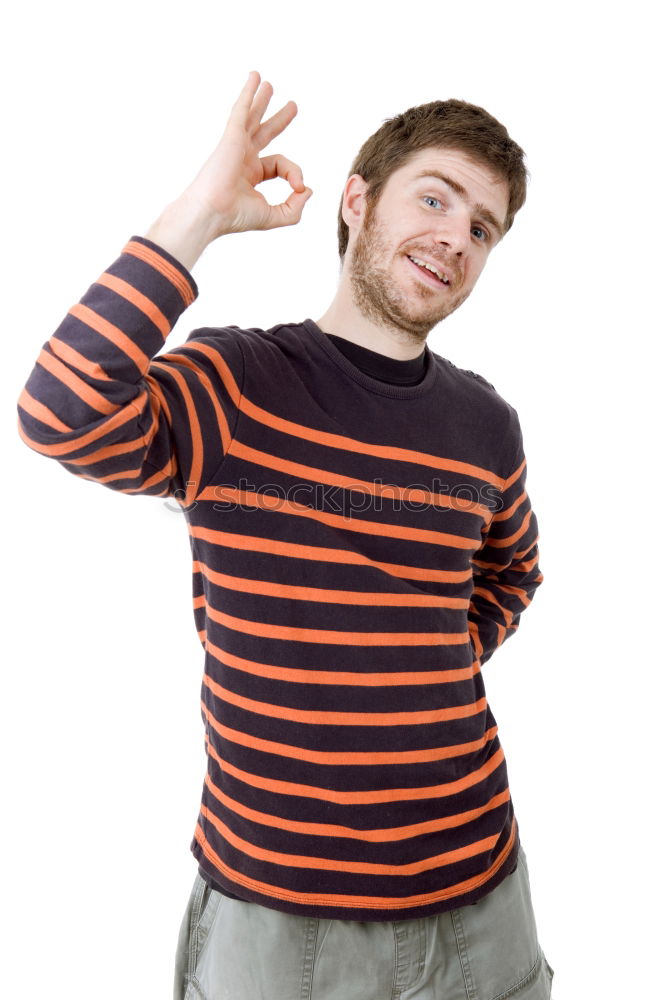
point(353, 202)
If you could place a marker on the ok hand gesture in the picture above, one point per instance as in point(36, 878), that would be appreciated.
point(226, 183)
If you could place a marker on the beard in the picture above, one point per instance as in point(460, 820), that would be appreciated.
point(381, 299)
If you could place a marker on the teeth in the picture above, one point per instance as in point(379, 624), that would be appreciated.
point(434, 270)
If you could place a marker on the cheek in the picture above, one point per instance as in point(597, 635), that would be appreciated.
point(477, 263)
point(408, 227)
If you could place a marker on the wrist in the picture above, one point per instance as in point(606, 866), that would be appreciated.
point(184, 228)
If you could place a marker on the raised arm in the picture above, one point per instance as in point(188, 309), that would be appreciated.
point(96, 401)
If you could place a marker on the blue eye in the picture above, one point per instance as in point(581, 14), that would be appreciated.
point(483, 235)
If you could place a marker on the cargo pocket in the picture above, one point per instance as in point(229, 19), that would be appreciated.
point(498, 946)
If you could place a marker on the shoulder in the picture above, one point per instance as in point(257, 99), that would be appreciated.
point(470, 374)
point(248, 349)
point(482, 393)
point(224, 339)
point(486, 409)
point(233, 339)
point(251, 336)
point(473, 390)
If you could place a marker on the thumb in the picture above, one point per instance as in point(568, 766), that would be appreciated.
point(290, 211)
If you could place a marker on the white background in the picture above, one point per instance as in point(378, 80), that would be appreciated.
point(109, 111)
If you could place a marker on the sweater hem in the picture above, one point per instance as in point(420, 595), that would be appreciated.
point(242, 893)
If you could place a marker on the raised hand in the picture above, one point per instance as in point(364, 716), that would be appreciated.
point(226, 183)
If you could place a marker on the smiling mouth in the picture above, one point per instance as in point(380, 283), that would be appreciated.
point(427, 275)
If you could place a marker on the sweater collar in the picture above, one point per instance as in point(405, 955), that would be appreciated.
point(386, 369)
point(367, 381)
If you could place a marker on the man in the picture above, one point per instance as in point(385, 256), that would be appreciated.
point(356, 837)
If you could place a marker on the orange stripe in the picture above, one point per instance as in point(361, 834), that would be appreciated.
point(62, 448)
point(279, 787)
point(265, 501)
point(476, 642)
point(77, 360)
point(112, 333)
point(518, 592)
point(492, 599)
point(302, 861)
point(338, 677)
point(327, 595)
point(310, 717)
point(381, 836)
point(158, 401)
point(343, 638)
point(196, 440)
point(220, 366)
point(164, 267)
point(159, 405)
point(354, 902)
point(41, 412)
point(76, 385)
point(510, 511)
point(295, 550)
point(364, 448)
point(109, 451)
point(526, 565)
point(510, 480)
point(138, 299)
point(502, 633)
point(144, 484)
point(523, 566)
point(510, 539)
point(384, 490)
point(132, 473)
point(530, 547)
point(331, 758)
point(223, 426)
point(328, 440)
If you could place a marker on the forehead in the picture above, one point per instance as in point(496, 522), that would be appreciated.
point(478, 180)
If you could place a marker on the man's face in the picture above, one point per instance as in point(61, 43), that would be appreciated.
point(453, 225)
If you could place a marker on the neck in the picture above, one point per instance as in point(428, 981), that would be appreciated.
point(344, 319)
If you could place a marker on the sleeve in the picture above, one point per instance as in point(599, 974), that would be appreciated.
point(99, 401)
point(506, 568)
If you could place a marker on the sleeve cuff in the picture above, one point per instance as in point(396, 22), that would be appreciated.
point(189, 290)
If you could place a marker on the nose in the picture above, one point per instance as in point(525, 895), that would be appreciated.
point(455, 233)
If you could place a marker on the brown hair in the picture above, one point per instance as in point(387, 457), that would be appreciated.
point(450, 124)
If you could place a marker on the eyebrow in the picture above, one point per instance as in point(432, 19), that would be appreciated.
point(479, 209)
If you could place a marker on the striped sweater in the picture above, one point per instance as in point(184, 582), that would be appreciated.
point(359, 550)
